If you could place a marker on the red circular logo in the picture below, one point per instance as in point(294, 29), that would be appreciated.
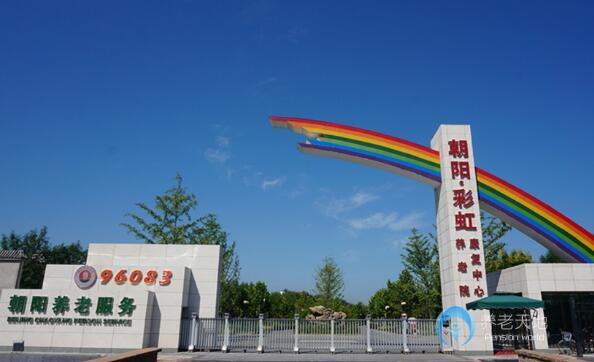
point(85, 277)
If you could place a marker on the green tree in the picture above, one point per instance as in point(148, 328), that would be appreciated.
point(38, 252)
point(67, 254)
point(356, 311)
point(246, 299)
point(210, 232)
point(549, 257)
point(329, 283)
point(493, 230)
point(387, 302)
point(231, 299)
point(256, 299)
point(496, 257)
point(421, 260)
point(287, 303)
point(381, 304)
point(35, 246)
point(406, 290)
point(507, 260)
point(171, 221)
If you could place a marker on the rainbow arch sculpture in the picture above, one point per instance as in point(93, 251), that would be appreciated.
point(523, 211)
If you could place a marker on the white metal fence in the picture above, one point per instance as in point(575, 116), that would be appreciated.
point(297, 335)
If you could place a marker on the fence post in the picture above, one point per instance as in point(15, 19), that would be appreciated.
point(404, 332)
point(368, 328)
point(296, 346)
point(193, 330)
point(225, 347)
point(261, 333)
point(332, 348)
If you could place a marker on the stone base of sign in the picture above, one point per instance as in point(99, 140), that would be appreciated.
point(89, 351)
point(167, 310)
point(167, 282)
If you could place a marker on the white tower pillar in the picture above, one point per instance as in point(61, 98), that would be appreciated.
point(459, 234)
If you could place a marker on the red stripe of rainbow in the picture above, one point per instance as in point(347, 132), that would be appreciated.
point(500, 198)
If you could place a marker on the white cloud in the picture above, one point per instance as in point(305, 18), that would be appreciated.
point(398, 244)
point(389, 221)
point(297, 192)
point(336, 206)
point(222, 141)
point(221, 153)
point(414, 219)
point(362, 198)
point(215, 155)
point(266, 81)
point(266, 184)
point(378, 220)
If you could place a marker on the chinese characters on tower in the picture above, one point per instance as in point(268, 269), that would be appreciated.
point(465, 219)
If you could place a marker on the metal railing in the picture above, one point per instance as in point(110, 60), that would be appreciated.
point(386, 335)
point(297, 335)
point(279, 334)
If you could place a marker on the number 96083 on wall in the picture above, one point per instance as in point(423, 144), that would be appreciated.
point(136, 277)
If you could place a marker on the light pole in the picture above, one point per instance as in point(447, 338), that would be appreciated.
point(386, 308)
point(261, 309)
point(245, 306)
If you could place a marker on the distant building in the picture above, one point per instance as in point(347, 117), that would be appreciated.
point(566, 289)
point(11, 266)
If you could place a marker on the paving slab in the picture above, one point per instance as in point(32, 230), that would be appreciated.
point(308, 357)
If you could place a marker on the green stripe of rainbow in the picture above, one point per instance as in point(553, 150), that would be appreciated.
point(522, 210)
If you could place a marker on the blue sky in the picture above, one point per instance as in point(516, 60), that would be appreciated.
point(101, 103)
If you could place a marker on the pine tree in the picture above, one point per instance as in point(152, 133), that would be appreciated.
point(329, 286)
point(406, 290)
point(171, 221)
point(420, 259)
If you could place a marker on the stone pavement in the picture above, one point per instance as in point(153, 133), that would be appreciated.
point(266, 357)
point(318, 357)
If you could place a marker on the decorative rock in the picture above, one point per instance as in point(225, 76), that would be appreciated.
point(339, 315)
point(320, 312)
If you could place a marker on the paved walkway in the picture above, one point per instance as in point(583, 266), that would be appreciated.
point(314, 357)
